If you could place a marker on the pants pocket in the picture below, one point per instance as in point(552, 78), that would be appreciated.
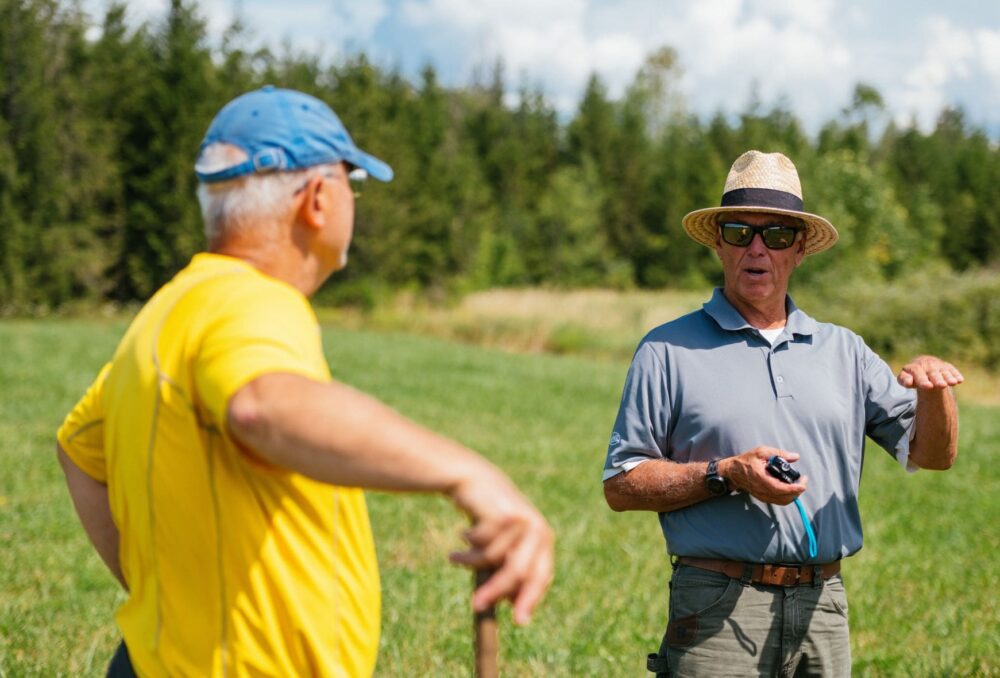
point(834, 588)
point(696, 592)
point(700, 602)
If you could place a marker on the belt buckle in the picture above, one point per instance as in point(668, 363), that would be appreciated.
point(784, 569)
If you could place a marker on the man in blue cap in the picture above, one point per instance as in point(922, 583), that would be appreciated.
point(217, 467)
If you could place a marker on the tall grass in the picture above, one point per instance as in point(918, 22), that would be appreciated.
point(955, 316)
point(597, 323)
point(922, 592)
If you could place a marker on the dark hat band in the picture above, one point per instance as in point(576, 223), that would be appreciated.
point(762, 197)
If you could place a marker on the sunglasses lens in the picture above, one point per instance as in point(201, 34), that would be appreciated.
point(739, 235)
point(774, 237)
point(778, 237)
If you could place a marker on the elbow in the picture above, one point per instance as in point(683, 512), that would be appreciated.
point(615, 499)
point(246, 415)
point(937, 464)
point(940, 461)
point(946, 461)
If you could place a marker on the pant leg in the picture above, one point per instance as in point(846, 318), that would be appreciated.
point(719, 627)
point(825, 648)
point(121, 665)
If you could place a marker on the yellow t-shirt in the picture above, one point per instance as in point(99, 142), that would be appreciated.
point(234, 567)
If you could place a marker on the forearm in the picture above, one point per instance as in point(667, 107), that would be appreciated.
point(935, 440)
point(661, 485)
point(657, 485)
point(90, 499)
point(335, 434)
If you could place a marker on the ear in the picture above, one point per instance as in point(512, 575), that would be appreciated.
point(718, 243)
point(312, 210)
point(800, 249)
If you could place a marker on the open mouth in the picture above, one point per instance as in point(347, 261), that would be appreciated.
point(754, 272)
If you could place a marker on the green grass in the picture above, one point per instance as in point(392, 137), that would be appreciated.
point(923, 592)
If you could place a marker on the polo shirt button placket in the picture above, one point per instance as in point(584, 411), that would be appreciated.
point(779, 381)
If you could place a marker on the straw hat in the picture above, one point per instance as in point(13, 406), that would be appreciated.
point(762, 182)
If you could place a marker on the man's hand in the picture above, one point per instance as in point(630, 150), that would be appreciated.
point(927, 373)
point(507, 534)
point(748, 472)
point(935, 438)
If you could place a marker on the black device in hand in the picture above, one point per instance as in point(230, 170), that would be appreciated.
point(782, 470)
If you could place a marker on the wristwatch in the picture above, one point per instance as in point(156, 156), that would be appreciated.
point(715, 483)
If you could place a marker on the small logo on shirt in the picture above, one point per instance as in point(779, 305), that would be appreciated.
point(616, 439)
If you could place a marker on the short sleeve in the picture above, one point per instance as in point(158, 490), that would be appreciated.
point(262, 330)
point(889, 408)
point(81, 435)
point(640, 430)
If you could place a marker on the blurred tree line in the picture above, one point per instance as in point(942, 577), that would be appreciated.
point(99, 131)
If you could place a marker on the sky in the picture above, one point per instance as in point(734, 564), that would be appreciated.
point(921, 55)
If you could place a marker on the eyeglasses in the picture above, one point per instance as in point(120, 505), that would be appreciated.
point(775, 236)
point(355, 175)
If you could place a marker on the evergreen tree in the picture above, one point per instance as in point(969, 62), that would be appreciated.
point(689, 174)
point(592, 133)
point(163, 225)
point(98, 138)
point(55, 167)
point(570, 246)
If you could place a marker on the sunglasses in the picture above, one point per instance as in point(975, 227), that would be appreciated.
point(775, 237)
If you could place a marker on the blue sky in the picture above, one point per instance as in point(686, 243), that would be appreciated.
point(920, 55)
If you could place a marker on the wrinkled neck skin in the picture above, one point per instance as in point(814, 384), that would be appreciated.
point(281, 258)
point(764, 314)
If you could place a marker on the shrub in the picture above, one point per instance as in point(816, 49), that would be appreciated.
point(953, 315)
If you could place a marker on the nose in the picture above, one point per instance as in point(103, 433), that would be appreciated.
point(757, 246)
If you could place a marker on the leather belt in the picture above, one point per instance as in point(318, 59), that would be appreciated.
point(763, 573)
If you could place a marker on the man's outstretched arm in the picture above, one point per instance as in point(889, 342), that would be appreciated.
point(90, 499)
point(935, 440)
point(335, 434)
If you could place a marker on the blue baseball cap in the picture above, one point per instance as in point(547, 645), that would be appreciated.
point(281, 130)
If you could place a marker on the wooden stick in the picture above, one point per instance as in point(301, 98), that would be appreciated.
point(487, 642)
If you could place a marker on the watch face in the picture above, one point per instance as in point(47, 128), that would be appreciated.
point(716, 484)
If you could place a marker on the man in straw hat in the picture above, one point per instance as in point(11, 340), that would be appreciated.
point(217, 467)
point(714, 397)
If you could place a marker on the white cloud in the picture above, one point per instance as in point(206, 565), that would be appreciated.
point(787, 47)
point(814, 15)
point(546, 41)
point(988, 51)
point(955, 60)
point(808, 53)
point(784, 49)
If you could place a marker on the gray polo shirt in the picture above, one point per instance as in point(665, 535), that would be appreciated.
point(708, 385)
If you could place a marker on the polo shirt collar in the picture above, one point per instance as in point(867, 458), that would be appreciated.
point(728, 318)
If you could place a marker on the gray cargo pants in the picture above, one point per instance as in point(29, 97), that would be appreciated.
point(720, 626)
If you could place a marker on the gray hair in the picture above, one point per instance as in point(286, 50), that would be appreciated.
point(253, 202)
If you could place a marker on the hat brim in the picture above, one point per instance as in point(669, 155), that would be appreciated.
point(376, 168)
point(702, 226)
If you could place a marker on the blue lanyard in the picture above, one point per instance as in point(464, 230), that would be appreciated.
point(809, 530)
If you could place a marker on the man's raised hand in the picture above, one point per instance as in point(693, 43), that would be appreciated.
point(927, 373)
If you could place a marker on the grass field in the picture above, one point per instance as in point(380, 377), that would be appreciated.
point(596, 323)
point(923, 592)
